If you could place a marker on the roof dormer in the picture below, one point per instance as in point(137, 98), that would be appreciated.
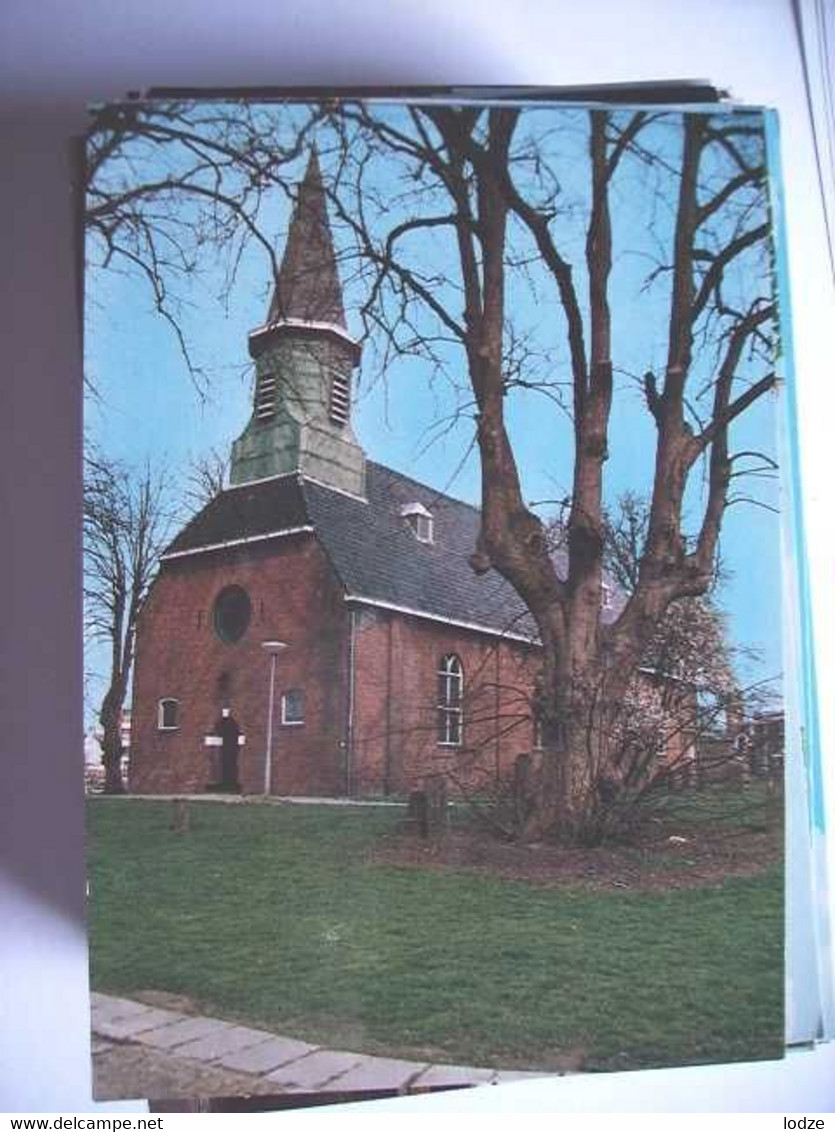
point(420, 520)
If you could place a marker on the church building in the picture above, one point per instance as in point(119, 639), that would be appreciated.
point(317, 628)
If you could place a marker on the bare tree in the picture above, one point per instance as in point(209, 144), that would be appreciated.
point(484, 186)
point(125, 530)
point(206, 477)
point(171, 185)
point(720, 328)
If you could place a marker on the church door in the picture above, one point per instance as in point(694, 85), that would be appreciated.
point(229, 733)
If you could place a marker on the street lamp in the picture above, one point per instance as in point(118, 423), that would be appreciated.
point(273, 648)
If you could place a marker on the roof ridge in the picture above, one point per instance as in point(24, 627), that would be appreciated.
point(426, 487)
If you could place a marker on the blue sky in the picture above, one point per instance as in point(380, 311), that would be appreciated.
point(148, 407)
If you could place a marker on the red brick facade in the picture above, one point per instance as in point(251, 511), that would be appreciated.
point(294, 599)
point(374, 734)
point(396, 738)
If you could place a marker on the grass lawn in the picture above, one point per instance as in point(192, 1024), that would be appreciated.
point(276, 916)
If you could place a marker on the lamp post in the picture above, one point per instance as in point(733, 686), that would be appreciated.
point(273, 648)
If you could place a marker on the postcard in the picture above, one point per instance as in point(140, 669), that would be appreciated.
point(433, 593)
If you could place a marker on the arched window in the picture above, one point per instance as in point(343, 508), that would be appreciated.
point(450, 701)
point(168, 714)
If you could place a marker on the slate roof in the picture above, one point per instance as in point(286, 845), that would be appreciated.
point(371, 546)
point(376, 554)
point(244, 513)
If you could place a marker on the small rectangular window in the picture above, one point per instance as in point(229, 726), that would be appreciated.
point(292, 708)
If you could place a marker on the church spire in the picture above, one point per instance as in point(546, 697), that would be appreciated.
point(304, 358)
point(308, 288)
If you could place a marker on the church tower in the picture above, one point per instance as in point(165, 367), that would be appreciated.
point(304, 360)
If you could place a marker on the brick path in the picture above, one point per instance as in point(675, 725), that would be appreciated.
point(196, 1055)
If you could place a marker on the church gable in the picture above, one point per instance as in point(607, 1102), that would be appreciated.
point(202, 643)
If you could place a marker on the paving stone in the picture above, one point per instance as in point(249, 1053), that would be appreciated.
point(311, 1074)
point(186, 1030)
point(283, 1064)
point(505, 1076)
point(437, 1075)
point(121, 1029)
point(224, 1040)
point(380, 1073)
point(108, 1009)
point(140, 1071)
point(268, 1055)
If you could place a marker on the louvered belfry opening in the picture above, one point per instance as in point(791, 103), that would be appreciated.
point(340, 399)
point(265, 396)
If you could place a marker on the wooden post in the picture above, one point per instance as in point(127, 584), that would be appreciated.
point(179, 821)
point(437, 814)
point(416, 815)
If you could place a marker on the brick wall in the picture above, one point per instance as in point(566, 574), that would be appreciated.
point(295, 598)
point(395, 730)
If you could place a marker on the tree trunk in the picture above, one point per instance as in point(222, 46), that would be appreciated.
point(112, 752)
point(581, 705)
point(573, 713)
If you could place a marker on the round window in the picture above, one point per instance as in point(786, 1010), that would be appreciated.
point(232, 614)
